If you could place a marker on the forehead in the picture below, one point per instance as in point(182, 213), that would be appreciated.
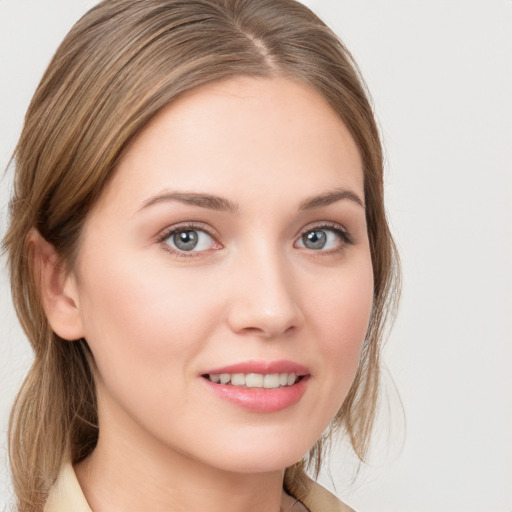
point(245, 138)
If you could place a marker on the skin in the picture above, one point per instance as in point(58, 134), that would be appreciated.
point(156, 320)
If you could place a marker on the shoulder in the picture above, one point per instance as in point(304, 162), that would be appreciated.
point(319, 499)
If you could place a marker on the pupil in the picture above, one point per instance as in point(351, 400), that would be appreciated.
point(314, 239)
point(186, 240)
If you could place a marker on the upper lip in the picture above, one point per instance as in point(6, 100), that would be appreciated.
point(262, 367)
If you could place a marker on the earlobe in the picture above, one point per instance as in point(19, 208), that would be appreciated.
point(57, 289)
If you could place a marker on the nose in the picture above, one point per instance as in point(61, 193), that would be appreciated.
point(265, 301)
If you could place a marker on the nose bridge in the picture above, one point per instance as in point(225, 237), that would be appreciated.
point(266, 300)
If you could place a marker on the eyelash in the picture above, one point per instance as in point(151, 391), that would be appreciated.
point(346, 238)
point(180, 229)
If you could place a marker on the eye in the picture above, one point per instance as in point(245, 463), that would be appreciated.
point(324, 238)
point(188, 239)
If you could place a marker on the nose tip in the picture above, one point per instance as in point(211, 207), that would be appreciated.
point(266, 324)
point(266, 304)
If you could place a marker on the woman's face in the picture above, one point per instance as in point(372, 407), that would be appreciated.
point(230, 244)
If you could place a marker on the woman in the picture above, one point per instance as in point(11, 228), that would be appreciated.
point(204, 267)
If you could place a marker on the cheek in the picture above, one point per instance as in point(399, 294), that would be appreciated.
point(343, 311)
point(143, 321)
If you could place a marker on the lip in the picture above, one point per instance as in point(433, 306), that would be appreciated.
point(263, 367)
point(260, 400)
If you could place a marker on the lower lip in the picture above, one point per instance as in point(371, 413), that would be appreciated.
point(260, 399)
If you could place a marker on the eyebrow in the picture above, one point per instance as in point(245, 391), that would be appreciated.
point(329, 198)
point(209, 201)
point(218, 203)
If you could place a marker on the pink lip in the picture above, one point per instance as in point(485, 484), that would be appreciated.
point(263, 367)
point(258, 399)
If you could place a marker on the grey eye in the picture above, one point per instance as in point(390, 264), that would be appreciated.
point(185, 240)
point(315, 239)
point(320, 239)
point(189, 240)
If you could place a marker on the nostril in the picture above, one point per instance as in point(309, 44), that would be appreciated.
point(268, 332)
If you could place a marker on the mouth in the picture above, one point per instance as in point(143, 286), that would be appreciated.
point(254, 380)
point(259, 386)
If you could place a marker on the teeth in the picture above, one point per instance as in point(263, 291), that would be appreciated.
point(238, 379)
point(254, 380)
point(271, 381)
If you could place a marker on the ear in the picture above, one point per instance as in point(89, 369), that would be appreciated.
point(57, 289)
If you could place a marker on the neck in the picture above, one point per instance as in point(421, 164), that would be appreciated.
point(133, 472)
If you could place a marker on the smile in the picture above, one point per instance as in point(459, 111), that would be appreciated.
point(254, 380)
point(259, 386)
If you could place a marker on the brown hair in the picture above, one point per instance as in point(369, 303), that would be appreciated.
point(119, 65)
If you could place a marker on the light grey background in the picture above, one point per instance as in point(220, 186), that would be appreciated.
point(440, 73)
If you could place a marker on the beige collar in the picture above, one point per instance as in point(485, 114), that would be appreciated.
point(67, 496)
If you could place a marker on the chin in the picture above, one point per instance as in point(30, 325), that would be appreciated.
point(257, 464)
point(260, 456)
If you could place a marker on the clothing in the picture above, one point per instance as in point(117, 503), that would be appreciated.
point(67, 496)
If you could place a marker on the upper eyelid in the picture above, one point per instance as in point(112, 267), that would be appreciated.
point(186, 226)
point(323, 225)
